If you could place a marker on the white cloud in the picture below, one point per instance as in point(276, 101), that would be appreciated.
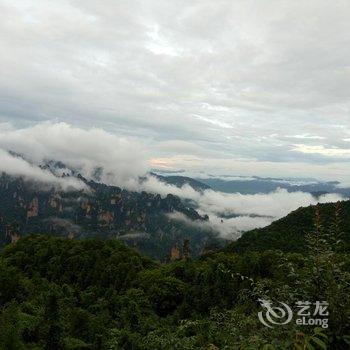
point(122, 159)
point(320, 149)
point(123, 162)
point(19, 167)
point(306, 136)
point(228, 228)
point(256, 210)
point(214, 122)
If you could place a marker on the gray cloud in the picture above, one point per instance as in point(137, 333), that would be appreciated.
point(228, 86)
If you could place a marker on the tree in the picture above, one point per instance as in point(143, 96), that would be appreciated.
point(52, 319)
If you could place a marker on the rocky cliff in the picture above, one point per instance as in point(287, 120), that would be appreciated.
point(140, 219)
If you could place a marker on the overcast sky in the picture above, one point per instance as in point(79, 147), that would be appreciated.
point(235, 87)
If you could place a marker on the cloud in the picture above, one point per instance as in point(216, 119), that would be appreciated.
point(135, 235)
point(328, 152)
point(123, 162)
point(122, 159)
point(67, 225)
point(21, 168)
point(331, 171)
point(224, 87)
point(249, 211)
point(230, 76)
point(230, 229)
point(306, 136)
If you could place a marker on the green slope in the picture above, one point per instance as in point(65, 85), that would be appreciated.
point(58, 293)
point(288, 234)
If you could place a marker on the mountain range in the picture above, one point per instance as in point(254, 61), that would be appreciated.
point(140, 219)
point(68, 280)
point(257, 184)
point(252, 184)
point(145, 221)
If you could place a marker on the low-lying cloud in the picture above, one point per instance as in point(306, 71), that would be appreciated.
point(122, 159)
point(67, 225)
point(227, 228)
point(123, 162)
point(232, 213)
point(19, 167)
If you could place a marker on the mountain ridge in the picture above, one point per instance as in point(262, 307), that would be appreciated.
point(139, 218)
point(288, 234)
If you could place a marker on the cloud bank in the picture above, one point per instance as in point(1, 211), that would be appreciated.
point(248, 211)
point(19, 167)
point(123, 162)
point(122, 159)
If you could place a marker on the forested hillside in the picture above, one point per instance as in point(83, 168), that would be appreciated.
point(289, 233)
point(57, 293)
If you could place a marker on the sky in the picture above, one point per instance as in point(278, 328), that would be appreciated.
point(226, 87)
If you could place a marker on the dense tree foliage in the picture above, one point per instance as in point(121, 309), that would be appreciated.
point(57, 293)
point(289, 233)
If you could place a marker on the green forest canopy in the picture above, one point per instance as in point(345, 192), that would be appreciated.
point(57, 293)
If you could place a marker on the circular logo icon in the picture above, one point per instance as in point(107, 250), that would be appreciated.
point(274, 315)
